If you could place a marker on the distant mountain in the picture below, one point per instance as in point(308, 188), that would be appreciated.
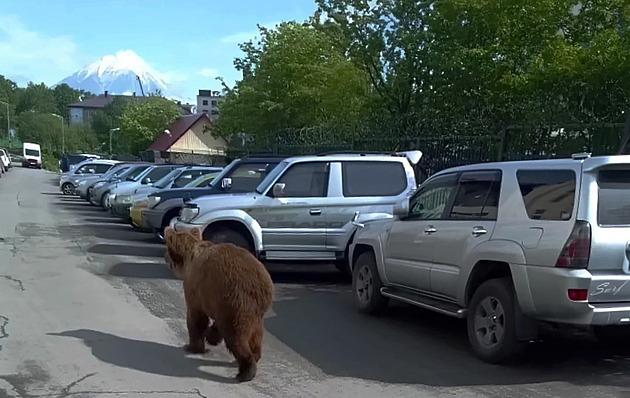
point(117, 75)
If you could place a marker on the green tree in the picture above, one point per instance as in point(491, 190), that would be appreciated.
point(36, 98)
point(144, 121)
point(64, 96)
point(296, 76)
point(108, 118)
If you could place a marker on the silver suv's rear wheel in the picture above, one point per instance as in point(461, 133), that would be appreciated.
point(491, 321)
point(366, 285)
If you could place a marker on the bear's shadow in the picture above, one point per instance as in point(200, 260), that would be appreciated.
point(147, 356)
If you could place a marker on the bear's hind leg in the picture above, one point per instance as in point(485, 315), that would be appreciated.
point(239, 347)
point(197, 323)
point(213, 335)
point(255, 342)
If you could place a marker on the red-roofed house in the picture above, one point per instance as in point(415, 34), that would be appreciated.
point(189, 138)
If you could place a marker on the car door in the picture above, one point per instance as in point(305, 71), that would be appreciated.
point(469, 222)
point(410, 243)
point(296, 221)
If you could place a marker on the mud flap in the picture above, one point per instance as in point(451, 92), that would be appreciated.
point(526, 327)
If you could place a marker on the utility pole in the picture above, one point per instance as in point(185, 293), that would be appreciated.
point(63, 135)
point(8, 120)
point(111, 131)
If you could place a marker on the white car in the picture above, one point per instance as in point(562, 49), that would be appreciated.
point(5, 159)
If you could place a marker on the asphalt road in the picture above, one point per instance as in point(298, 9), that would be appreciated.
point(88, 309)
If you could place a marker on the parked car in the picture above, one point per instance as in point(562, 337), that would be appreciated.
point(175, 179)
point(98, 193)
point(69, 160)
point(303, 209)
point(507, 246)
point(89, 169)
point(113, 173)
point(32, 154)
point(5, 160)
point(120, 195)
point(241, 176)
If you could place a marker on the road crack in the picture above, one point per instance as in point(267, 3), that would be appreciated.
point(4, 321)
point(65, 392)
point(14, 280)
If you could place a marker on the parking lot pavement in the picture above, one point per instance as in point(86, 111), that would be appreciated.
point(89, 306)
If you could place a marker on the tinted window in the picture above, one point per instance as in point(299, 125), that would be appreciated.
point(305, 180)
point(86, 168)
point(432, 200)
point(158, 173)
point(31, 152)
point(102, 168)
point(477, 196)
point(373, 178)
point(614, 197)
point(246, 177)
point(133, 174)
point(547, 194)
point(187, 177)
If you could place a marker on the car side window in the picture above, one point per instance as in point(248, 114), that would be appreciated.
point(477, 196)
point(102, 168)
point(363, 178)
point(433, 200)
point(158, 173)
point(548, 194)
point(305, 180)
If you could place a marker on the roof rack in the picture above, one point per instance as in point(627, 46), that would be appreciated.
point(355, 153)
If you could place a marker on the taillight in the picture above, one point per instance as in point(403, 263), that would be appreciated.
point(577, 251)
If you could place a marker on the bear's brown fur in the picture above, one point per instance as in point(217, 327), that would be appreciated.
point(228, 284)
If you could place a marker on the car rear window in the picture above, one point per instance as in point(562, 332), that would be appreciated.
point(614, 197)
point(548, 194)
point(373, 178)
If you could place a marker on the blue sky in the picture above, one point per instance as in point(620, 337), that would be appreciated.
point(188, 42)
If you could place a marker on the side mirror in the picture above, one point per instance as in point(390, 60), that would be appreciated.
point(226, 183)
point(128, 179)
point(146, 181)
point(92, 171)
point(278, 190)
point(401, 209)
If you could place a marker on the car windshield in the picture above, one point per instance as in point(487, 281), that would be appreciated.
point(203, 180)
point(31, 152)
point(167, 179)
point(272, 176)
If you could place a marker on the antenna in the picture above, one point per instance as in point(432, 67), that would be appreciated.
point(140, 83)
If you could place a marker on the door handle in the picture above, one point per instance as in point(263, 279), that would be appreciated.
point(430, 230)
point(315, 212)
point(478, 231)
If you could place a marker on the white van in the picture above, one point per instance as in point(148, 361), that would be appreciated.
point(32, 155)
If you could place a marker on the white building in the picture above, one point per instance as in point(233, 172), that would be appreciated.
point(208, 103)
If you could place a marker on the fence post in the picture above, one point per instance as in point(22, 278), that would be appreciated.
point(503, 144)
point(626, 135)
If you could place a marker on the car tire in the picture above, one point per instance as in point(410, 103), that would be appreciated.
point(103, 199)
point(366, 285)
point(67, 188)
point(613, 335)
point(228, 235)
point(491, 322)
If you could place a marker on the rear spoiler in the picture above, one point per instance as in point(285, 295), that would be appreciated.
point(413, 156)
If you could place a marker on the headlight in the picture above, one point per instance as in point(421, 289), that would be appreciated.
point(189, 214)
point(140, 200)
point(124, 199)
point(154, 200)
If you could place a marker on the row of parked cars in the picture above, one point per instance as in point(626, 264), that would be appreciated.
point(507, 246)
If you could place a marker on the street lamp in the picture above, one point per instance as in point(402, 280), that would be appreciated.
point(111, 131)
point(8, 120)
point(63, 136)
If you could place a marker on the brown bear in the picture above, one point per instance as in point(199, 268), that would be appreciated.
point(228, 284)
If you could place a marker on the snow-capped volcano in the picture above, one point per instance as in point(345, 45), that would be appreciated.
point(117, 75)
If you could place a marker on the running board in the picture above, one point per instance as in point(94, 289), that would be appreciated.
point(443, 307)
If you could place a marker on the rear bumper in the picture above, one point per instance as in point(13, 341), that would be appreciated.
point(121, 210)
point(152, 218)
point(548, 291)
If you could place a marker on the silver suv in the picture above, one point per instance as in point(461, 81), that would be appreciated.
point(303, 209)
point(506, 246)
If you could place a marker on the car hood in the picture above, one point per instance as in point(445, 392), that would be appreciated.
point(124, 187)
point(144, 189)
point(226, 201)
